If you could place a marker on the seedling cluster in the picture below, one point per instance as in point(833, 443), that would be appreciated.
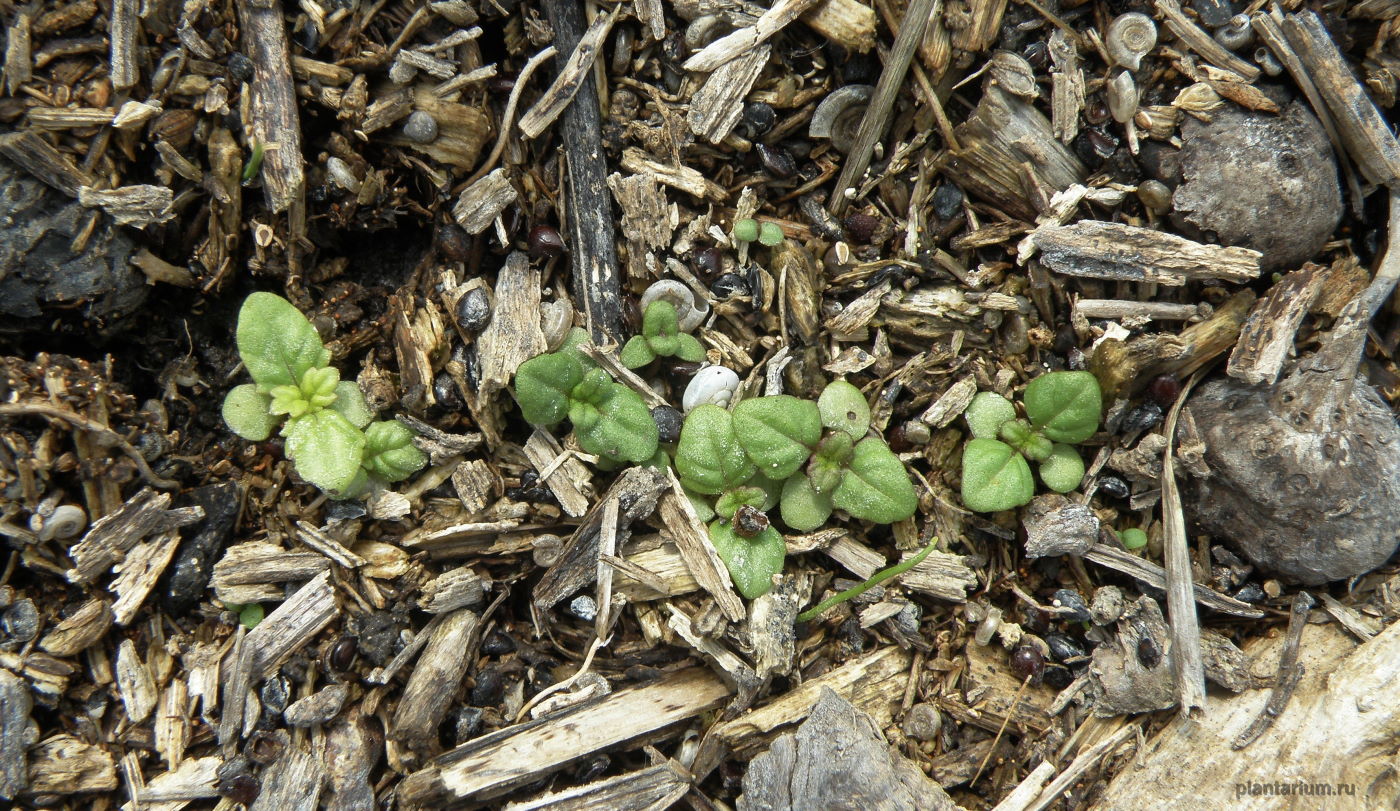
point(1062, 408)
point(805, 458)
point(331, 435)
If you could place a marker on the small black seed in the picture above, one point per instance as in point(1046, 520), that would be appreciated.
point(240, 67)
point(1058, 677)
point(342, 654)
point(1062, 647)
point(776, 160)
point(497, 644)
point(758, 118)
point(1142, 418)
point(240, 788)
point(947, 201)
point(473, 311)
point(1113, 486)
point(668, 423)
point(1148, 653)
point(546, 241)
point(1074, 609)
point(490, 687)
point(728, 286)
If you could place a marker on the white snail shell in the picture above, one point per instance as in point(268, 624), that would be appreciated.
point(839, 115)
point(66, 521)
point(1122, 96)
point(691, 310)
point(713, 384)
point(556, 319)
point(1130, 37)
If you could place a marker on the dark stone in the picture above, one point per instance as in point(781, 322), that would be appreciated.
point(194, 560)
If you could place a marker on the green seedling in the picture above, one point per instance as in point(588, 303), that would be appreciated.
point(661, 338)
point(610, 420)
point(254, 164)
point(331, 436)
point(1133, 538)
point(1062, 408)
point(861, 588)
point(751, 230)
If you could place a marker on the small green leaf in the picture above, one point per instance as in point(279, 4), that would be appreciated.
point(325, 448)
point(624, 429)
point(247, 412)
point(664, 346)
point(778, 432)
point(825, 475)
point(732, 500)
point(660, 320)
point(1063, 469)
point(350, 402)
point(574, 340)
point(836, 448)
point(542, 386)
point(287, 401)
point(250, 615)
point(751, 562)
point(389, 451)
point(770, 234)
point(1133, 538)
point(745, 230)
point(595, 388)
point(986, 413)
point(318, 386)
point(876, 486)
point(1065, 406)
point(803, 508)
point(661, 460)
point(1020, 435)
point(689, 349)
point(709, 457)
point(636, 353)
point(994, 477)
point(843, 408)
point(702, 505)
point(276, 342)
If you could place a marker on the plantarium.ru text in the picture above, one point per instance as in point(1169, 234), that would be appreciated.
point(331, 435)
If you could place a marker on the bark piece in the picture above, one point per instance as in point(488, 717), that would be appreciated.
point(692, 540)
point(291, 625)
point(317, 708)
point(1056, 526)
point(193, 779)
point(1202, 43)
point(19, 66)
point(453, 589)
point(123, 27)
point(837, 758)
point(274, 109)
point(138, 573)
point(1106, 250)
point(514, 335)
point(436, 677)
point(1267, 337)
point(569, 480)
point(480, 203)
point(37, 157)
point(292, 783)
point(15, 707)
point(1132, 670)
point(353, 748)
point(574, 73)
point(113, 535)
point(748, 39)
point(658, 787)
point(847, 22)
point(498, 763)
point(80, 631)
point(254, 572)
point(135, 683)
point(717, 106)
point(64, 765)
point(1153, 575)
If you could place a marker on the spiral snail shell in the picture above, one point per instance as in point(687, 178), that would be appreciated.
point(1130, 37)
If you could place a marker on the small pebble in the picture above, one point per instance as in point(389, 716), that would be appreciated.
point(922, 722)
point(401, 72)
point(947, 201)
point(1113, 486)
point(274, 695)
point(473, 311)
point(497, 644)
point(240, 67)
point(421, 128)
point(1107, 605)
point(668, 423)
point(490, 687)
point(1250, 593)
point(468, 723)
point(1057, 676)
point(584, 607)
point(758, 118)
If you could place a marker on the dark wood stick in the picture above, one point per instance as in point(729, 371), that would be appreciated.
point(592, 251)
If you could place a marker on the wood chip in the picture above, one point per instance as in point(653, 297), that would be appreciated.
point(692, 539)
point(1202, 43)
point(514, 334)
point(746, 40)
point(124, 26)
point(15, 707)
point(719, 103)
point(570, 79)
point(65, 765)
point(496, 764)
point(660, 786)
point(37, 157)
point(684, 178)
point(135, 683)
point(1106, 250)
point(254, 572)
point(291, 625)
point(1266, 341)
point(291, 783)
point(483, 201)
point(570, 480)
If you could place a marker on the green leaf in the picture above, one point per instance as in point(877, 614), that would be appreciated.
point(986, 414)
point(843, 408)
point(825, 475)
point(636, 353)
point(350, 402)
point(250, 615)
point(660, 320)
point(702, 505)
point(1133, 538)
point(751, 562)
point(318, 386)
point(994, 477)
point(594, 389)
point(664, 345)
point(542, 386)
point(770, 234)
point(276, 342)
point(803, 508)
point(389, 451)
point(732, 500)
point(624, 429)
point(576, 338)
point(709, 457)
point(772, 490)
point(745, 230)
point(689, 349)
point(778, 432)
point(326, 449)
point(1020, 435)
point(247, 412)
point(1063, 469)
point(876, 486)
point(1065, 406)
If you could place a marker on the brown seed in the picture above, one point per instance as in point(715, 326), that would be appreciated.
point(175, 127)
point(546, 241)
point(749, 521)
point(861, 226)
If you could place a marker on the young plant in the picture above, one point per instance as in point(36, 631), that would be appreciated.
point(330, 434)
point(610, 420)
point(809, 458)
point(661, 338)
point(1062, 408)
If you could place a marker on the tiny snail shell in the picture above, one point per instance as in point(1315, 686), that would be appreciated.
point(1130, 37)
point(556, 319)
point(1122, 95)
point(691, 310)
point(67, 521)
point(839, 115)
point(713, 384)
point(1235, 34)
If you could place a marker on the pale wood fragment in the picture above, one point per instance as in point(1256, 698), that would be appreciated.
point(85, 627)
point(483, 201)
point(1202, 43)
point(692, 539)
point(951, 404)
point(139, 572)
point(317, 708)
point(15, 707)
point(291, 783)
point(514, 335)
point(570, 80)
point(657, 787)
point(135, 683)
point(66, 118)
point(172, 724)
point(328, 546)
point(276, 124)
point(498, 763)
point(667, 575)
point(193, 779)
point(254, 571)
point(110, 537)
point(748, 39)
point(1153, 575)
point(122, 26)
point(717, 106)
point(684, 178)
point(1137, 310)
point(1266, 340)
point(942, 575)
point(47, 676)
point(19, 66)
point(65, 765)
point(849, 23)
point(1107, 250)
point(1067, 92)
point(569, 480)
point(874, 684)
point(291, 625)
point(354, 745)
point(453, 589)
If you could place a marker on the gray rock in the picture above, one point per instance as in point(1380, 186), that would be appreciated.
point(1057, 526)
point(420, 128)
point(837, 759)
point(1261, 181)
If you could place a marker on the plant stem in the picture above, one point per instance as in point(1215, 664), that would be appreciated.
point(875, 580)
